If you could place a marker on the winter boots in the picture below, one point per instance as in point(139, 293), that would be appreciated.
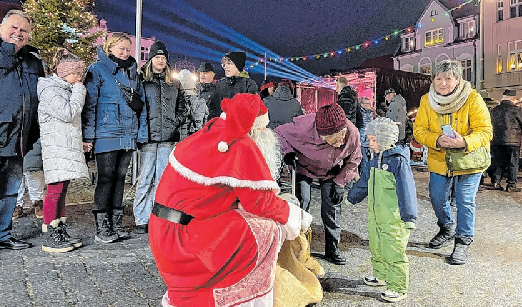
point(104, 232)
point(54, 242)
point(38, 209)
point(512, 187)
point(460, 251)
point(62, 227)
point(117, 221)
point(446, 233)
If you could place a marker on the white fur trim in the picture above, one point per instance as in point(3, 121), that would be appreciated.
point(222, 146)
point(293, 225)
point(228, 181)
point(223, 115)
point(261, 121)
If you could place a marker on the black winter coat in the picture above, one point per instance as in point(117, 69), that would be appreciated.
point(206, 92)
point(506, 119)
point(282, 107)
point(228, 87)
point(347, 100)
point(166, 109)
point(18, 99)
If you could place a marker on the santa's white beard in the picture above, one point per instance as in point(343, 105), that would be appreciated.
point(270, 147)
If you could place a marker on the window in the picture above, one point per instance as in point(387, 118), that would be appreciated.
point(514, 7)
point(408, 44)
point(144, 53)
point(467, 29)
point(426, 69)
point(466, 69)
point(514, 55)
point(499, 58)
point(500, 10)
point(434, 37)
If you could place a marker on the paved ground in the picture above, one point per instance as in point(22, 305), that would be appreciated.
point(124, 273)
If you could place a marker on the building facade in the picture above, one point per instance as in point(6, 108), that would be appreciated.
point(502, 46)
point(443, 32)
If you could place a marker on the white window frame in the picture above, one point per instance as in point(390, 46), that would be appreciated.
point(500, 11)
point(144, 53)
point(514, 6)
point(425, 69)
point(499, 59)
point(438, 33)
point(467, 69)
point(467, 29)
point(514, 56)
point(408, 43)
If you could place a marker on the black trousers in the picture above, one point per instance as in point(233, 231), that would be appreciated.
point(331, 199)
point(112, 168)
point(504, 157)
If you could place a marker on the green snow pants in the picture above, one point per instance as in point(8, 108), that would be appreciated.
point(388, 234)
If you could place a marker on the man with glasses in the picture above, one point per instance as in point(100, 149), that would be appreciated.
point(324, 146)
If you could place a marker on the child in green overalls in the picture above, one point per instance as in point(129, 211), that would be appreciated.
point(388, 182)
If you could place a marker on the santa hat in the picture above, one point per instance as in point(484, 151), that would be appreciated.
point(241, 113)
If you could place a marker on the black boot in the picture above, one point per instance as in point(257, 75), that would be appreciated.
point(62, 227)
point(331, 253)
point(460, 251)
point(512, 187)
point(54, 242)
point(117, 221)
point(104, 233)
point(446, 233)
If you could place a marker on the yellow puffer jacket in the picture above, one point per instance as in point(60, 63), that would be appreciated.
point(472, 122)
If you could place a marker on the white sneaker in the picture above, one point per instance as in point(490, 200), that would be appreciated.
point(374, 282)
point(392, 296)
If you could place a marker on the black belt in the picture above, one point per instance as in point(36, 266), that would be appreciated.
point(170, 214)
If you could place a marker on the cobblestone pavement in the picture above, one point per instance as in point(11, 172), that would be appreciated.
point(124, 273)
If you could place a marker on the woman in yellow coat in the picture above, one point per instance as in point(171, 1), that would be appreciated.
point(452, 116)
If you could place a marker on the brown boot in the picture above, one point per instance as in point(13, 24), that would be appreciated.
point(18, 212)
point(38, 209)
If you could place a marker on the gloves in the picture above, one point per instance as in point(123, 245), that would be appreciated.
point(306, 220)
point(289, 158)
point(336, 170)
point(336, 193)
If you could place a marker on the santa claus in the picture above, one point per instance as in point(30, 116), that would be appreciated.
point(217, 224)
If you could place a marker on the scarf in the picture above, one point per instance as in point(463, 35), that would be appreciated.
point(125, 64)
point(451, 103)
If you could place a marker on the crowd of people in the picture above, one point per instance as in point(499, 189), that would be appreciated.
point(211, 157)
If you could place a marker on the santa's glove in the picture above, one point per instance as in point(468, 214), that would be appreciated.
point(306, 220)
point(293, 225)
point(289, 198)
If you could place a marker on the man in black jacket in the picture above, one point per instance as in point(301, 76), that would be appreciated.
point(347, 98)
point(207, 88)
point(19, 72)
point(506, 119)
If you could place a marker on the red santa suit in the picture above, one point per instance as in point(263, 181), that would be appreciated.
point(225, 255)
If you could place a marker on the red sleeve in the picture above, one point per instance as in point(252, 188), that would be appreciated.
point(263, 203)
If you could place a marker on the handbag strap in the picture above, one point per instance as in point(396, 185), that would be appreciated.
point(441, 119)
point(133, 90)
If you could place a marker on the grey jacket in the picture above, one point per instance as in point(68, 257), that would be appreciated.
point(59, 115)
point(397, 112)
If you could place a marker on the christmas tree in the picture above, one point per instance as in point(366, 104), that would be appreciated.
point(63, 24)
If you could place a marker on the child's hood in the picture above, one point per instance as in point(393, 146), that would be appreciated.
point(397, 150)
point(52, 81)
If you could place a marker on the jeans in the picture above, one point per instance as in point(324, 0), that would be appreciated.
point(54, 203)
point(11, 172)
point(112, 168)
point(465, 190)
point(154, 159)
point(331, 200)
point(35, 186)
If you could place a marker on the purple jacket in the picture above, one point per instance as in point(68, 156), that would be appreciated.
point(317, 159)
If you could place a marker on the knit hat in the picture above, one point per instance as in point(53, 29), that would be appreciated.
point(185, 77)
point(238, 58)
point(385, 130)
point(286, 82)
point(509, 93)
point(240, 113)
point(330, 119)
point(158, 48)
point(206, 66)
point(389, 91)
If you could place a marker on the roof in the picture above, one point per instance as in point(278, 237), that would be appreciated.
point(465, 10)
point(385, 61)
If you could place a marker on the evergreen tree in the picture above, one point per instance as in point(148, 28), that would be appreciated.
point(63, 24)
